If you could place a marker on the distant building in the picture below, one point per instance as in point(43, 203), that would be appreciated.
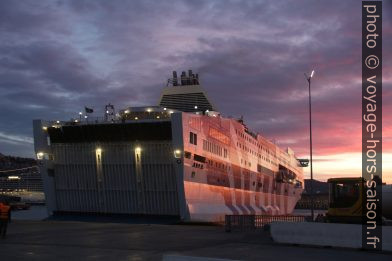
point(319, 187)
point(19, 174)
point(320, 195)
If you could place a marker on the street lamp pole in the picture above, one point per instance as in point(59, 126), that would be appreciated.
point(309, 78)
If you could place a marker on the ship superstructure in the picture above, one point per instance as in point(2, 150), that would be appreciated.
point(181, 158)
point(185, 94)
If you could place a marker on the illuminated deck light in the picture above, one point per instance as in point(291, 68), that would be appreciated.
point(13, 177)
point(40, 155)
point(177, 154)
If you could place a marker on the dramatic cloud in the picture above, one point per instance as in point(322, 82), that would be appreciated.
point(58, 56)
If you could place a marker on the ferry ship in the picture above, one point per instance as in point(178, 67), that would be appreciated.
point(180, 158)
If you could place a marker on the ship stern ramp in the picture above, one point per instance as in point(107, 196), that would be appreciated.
point(112, 168)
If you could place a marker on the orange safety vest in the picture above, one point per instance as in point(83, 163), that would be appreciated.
point(4, 211)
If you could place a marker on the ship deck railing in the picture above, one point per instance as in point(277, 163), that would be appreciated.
point(101, 120)
point(257, 222)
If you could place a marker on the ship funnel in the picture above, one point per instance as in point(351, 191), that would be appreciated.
point(190, 77)
point(189, 96)
point(183, 78)
point(175, 81)
point(186, 79)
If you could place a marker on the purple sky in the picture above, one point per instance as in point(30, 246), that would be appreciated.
point(58, 56)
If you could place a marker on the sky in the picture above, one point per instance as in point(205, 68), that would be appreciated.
point(58, 56)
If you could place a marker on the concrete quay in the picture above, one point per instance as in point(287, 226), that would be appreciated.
point(75, 240)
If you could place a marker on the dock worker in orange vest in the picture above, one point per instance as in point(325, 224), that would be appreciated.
point(5, 215)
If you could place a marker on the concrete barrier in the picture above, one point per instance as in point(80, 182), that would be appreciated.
point(324, 234)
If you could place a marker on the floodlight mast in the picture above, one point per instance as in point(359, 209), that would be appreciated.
point(309, 78)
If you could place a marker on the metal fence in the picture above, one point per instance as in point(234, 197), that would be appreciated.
point(254, 222)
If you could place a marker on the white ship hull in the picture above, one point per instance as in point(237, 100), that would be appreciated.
point(177, 159)
point(239, 175)
point(211, 203)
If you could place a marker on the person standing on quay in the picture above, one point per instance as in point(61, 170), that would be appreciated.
point(5, 215)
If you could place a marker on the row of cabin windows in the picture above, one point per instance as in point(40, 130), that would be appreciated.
point(241, 146)
point(246, 137)
point(218, 165)
point(193, 138)
point(198, 165)
point(259, 184)
point(214, 148)
point(211, 163)
point(253, 141)
point(254, 152)
point(246, 163)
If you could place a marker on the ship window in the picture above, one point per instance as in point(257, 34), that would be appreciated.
point(193, 138)
point(193, 174)
point(187, 154)
point(199, 158)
